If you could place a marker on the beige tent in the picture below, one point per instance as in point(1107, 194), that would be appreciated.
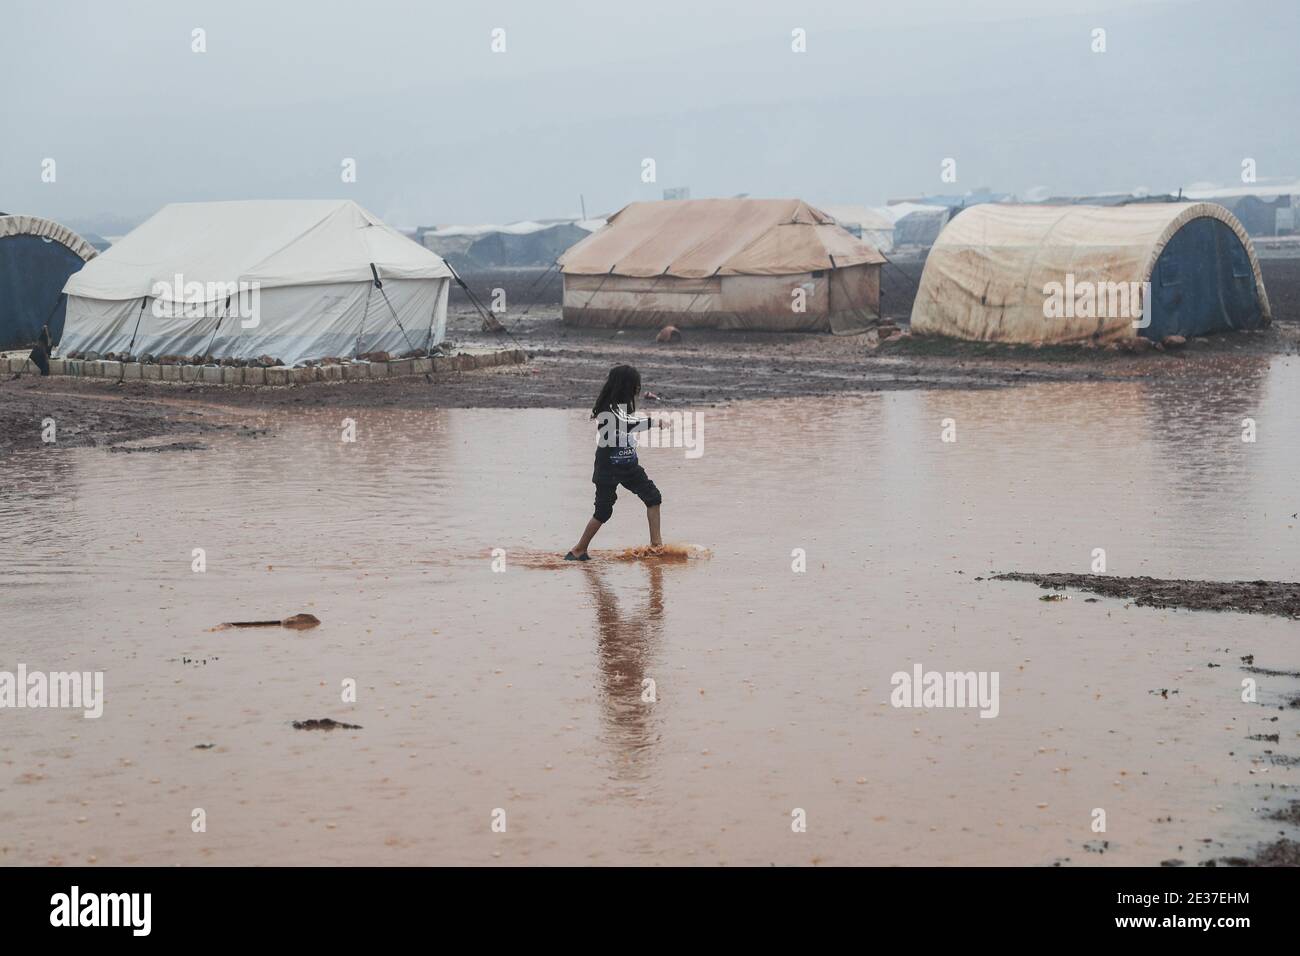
point(771, 264)
point(1035, 273)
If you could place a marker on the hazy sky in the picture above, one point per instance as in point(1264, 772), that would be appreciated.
point(444, 130)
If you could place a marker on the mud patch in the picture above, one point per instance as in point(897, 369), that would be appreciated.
point(1289, 815)
point(1280, 853)
point(170, 446)
point(1281, 598)
point(325, 723)
point(1269, 672)
point(97, 414)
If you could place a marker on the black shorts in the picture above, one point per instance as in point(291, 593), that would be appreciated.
point(633, 479)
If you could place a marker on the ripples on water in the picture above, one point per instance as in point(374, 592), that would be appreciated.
point(523, 690)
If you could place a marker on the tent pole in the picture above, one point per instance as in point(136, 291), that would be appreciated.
point(130, 349)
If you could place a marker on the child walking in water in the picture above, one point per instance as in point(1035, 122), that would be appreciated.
point(616, 461)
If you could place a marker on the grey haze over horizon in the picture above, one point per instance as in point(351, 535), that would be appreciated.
point(443, 130)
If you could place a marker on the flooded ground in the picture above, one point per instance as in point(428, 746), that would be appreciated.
point(521, 690)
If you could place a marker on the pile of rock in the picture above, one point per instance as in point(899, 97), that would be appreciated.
point(262, 361)
point(147, 358)
point(1140, 343)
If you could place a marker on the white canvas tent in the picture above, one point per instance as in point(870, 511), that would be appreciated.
point(287, 278)
point(875, 227)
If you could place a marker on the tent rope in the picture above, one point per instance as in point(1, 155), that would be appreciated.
point(915, 282)
point(380, 286)
point(916, 285)
point(130, 349)
point(555, 262)
point(221, 318)
point(478, 305)
point(689, 305)
point(601, 285)
point(520, 317)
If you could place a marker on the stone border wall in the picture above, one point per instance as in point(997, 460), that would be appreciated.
point(278, 376)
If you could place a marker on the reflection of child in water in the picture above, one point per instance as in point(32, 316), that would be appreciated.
point(627, 646)
point(616, 461)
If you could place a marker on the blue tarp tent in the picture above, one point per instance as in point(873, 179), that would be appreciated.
point(1204, 282)
point(1052, 274)
point(36, 258)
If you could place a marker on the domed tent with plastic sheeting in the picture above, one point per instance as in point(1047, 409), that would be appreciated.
point(296, 280)
point(757, 264)
point(1058, 274)
point(36, 258)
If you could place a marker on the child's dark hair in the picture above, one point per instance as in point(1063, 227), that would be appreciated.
point(621, 388)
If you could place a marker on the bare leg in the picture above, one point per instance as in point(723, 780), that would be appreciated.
point(652, 516)
point(588, 533)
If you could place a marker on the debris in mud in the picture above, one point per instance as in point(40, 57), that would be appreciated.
point(325, 723)
point(1280, 598)
point(1281, 853)
point(1290, 814)
point(172, 446)
point(204, 746)
point(297, 622)
point(1269, 672)
point(1163, 692)
point(1055, 597)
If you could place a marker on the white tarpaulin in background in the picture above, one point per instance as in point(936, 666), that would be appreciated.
point(873, 226)
point(285, 278)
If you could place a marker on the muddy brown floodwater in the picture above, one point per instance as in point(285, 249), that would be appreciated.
point(662, 711)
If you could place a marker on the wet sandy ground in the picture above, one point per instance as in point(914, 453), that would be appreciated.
point(521, 691)
point(566, 368)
